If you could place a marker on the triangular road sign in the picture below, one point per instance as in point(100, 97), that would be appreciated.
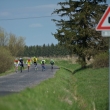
point(104, 23)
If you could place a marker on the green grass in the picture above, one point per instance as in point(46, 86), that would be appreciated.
point(11, 70)
point(87, 89)
point(92, 87)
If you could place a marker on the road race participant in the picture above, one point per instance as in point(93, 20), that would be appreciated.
point(35, 62)
point(28, 63)
point(21, 63)
point(43, 64)
point(16, 63)
point(52, 63)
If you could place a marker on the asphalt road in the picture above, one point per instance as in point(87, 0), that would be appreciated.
point(16, 82)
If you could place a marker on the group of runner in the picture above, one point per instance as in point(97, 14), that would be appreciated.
point(20, 63)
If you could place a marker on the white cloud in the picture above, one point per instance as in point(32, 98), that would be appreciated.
point(4, 14)
point(39, 10)
point(41, 7)
point(35, 25)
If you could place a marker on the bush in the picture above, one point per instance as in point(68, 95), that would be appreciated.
point(6, 60)
point(101, 60)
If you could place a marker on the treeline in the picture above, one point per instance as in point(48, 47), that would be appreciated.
point(10, 47)
point(11, 42)
point(45, 51)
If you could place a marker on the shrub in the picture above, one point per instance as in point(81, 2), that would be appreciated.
point(101, 60)
point(6, 60)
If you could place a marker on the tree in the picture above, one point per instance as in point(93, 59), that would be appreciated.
point(3, 38)
point(16, 45)
point(6, 59)
point(76, 28)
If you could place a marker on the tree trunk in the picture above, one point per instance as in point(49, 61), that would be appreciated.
point(83, 63)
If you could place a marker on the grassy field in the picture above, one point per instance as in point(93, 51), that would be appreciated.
point(70, 89)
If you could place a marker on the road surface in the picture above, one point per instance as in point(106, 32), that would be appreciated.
point(16, 82)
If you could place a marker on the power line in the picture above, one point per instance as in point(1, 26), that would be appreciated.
point(26, 18)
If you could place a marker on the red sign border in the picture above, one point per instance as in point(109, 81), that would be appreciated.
point(99, 26)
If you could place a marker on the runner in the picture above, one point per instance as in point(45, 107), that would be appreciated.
point(21, 63)
point(43, 64)
point(16, 63)
point(35, 63)
point(52, 63)
point(28, 62)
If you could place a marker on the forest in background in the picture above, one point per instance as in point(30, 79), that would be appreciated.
point(45, 51)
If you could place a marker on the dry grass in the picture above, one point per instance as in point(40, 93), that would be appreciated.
point(66, 58)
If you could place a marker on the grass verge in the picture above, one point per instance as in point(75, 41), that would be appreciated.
point(87, 89)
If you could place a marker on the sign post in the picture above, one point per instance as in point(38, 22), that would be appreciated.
point(104, 26)
point(109, 75)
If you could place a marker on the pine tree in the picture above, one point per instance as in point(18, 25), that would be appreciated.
point(76, 28)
